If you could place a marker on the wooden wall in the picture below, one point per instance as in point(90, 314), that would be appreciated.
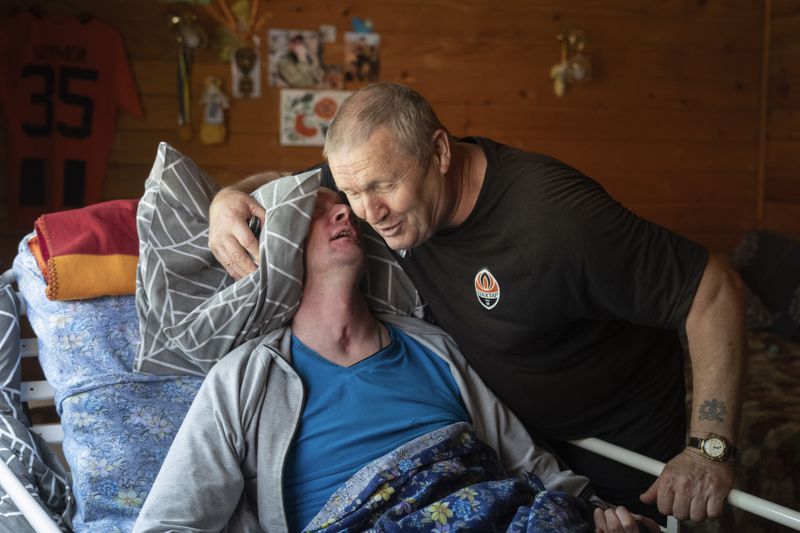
point(669, 124)
point(782, 176)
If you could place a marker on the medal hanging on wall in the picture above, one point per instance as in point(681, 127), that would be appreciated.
point(238, 42)
point(184, 93)
point(190, 36)
point(246, 70)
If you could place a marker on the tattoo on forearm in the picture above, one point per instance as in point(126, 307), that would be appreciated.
point(713, 410)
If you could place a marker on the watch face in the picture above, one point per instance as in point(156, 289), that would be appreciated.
point(714, 447)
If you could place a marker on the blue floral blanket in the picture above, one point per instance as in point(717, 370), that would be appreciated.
point(118, 425)
point(448, 480)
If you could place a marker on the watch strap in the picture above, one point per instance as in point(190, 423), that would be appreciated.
point(696, 442)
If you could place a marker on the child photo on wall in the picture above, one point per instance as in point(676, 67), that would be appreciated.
point(295, 59)
point(362, 57)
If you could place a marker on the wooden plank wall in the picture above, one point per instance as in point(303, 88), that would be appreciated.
point(782, 176)
point(669, 124)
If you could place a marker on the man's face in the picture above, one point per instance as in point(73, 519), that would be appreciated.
point(334, 241)
point(389, 189)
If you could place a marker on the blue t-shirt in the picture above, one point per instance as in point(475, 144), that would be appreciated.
point(353, 415)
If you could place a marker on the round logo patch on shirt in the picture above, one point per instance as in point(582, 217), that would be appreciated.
point(486, 288)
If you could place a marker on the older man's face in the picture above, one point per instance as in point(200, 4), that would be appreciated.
point(334, 240)
point(389, 189)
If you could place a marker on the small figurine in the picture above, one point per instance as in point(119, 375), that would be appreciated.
point(216, 102)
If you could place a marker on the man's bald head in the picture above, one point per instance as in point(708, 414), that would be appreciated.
point(405, 113)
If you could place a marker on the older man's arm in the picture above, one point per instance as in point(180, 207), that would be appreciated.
point(229, 237)
point(691, 485)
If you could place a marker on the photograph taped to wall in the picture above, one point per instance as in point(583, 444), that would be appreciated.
point(328, 33)
point(334, 77)
point(295, 59)
point(306, 115)
point(362, 57)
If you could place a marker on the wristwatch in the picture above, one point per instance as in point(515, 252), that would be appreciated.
point(714, 447)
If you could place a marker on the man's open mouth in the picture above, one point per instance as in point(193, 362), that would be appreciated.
point(345, 234)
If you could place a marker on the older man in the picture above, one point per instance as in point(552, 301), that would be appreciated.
point(567, 304)
point(283, 422)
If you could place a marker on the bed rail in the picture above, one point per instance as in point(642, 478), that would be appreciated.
point(747, 502)
point(30, 509)
point(39, 390)
point(36, 516)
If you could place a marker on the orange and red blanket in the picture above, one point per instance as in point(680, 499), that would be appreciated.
point(88, 252)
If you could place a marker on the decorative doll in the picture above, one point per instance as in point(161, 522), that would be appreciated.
point(216, 102)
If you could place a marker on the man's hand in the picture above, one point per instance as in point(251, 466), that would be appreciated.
point(229, 237)
point(620, 520)
point(691, 487)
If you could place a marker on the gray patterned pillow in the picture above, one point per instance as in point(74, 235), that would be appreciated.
point(386, 286)
point(10, 401)
point(191, 312)
point(25, 453)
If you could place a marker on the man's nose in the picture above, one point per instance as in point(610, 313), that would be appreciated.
point(374, 210)
point(341, 211)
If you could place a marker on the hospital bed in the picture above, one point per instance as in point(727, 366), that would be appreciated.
point(116, 425)
point(55, 433)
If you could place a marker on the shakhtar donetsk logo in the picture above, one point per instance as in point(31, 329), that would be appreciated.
point(486, 288)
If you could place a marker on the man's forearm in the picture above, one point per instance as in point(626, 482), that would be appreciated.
point(692, 485)
point(716, 334)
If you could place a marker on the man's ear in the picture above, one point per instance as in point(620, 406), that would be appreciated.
point(441, 150)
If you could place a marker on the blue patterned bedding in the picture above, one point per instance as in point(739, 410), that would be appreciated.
point(448, 480)
point(117, 425)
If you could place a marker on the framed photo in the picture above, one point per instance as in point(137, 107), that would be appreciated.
point(295, 59)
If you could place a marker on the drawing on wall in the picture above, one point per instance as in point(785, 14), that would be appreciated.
point(295, 59)
point(306, 115)
point(362, 56)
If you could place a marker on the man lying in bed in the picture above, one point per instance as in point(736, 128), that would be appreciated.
point(347, 421)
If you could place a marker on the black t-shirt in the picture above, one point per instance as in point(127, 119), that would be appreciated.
point(565, 303)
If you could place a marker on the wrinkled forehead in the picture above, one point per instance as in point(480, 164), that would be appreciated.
point(381, 153)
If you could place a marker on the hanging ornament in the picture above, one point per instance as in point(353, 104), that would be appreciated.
point(241, 20)
point(190, 36)
point(246, 70)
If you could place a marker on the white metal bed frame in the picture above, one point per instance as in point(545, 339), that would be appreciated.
point(53, 433)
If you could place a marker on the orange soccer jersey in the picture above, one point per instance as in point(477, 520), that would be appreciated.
point(61, 80)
